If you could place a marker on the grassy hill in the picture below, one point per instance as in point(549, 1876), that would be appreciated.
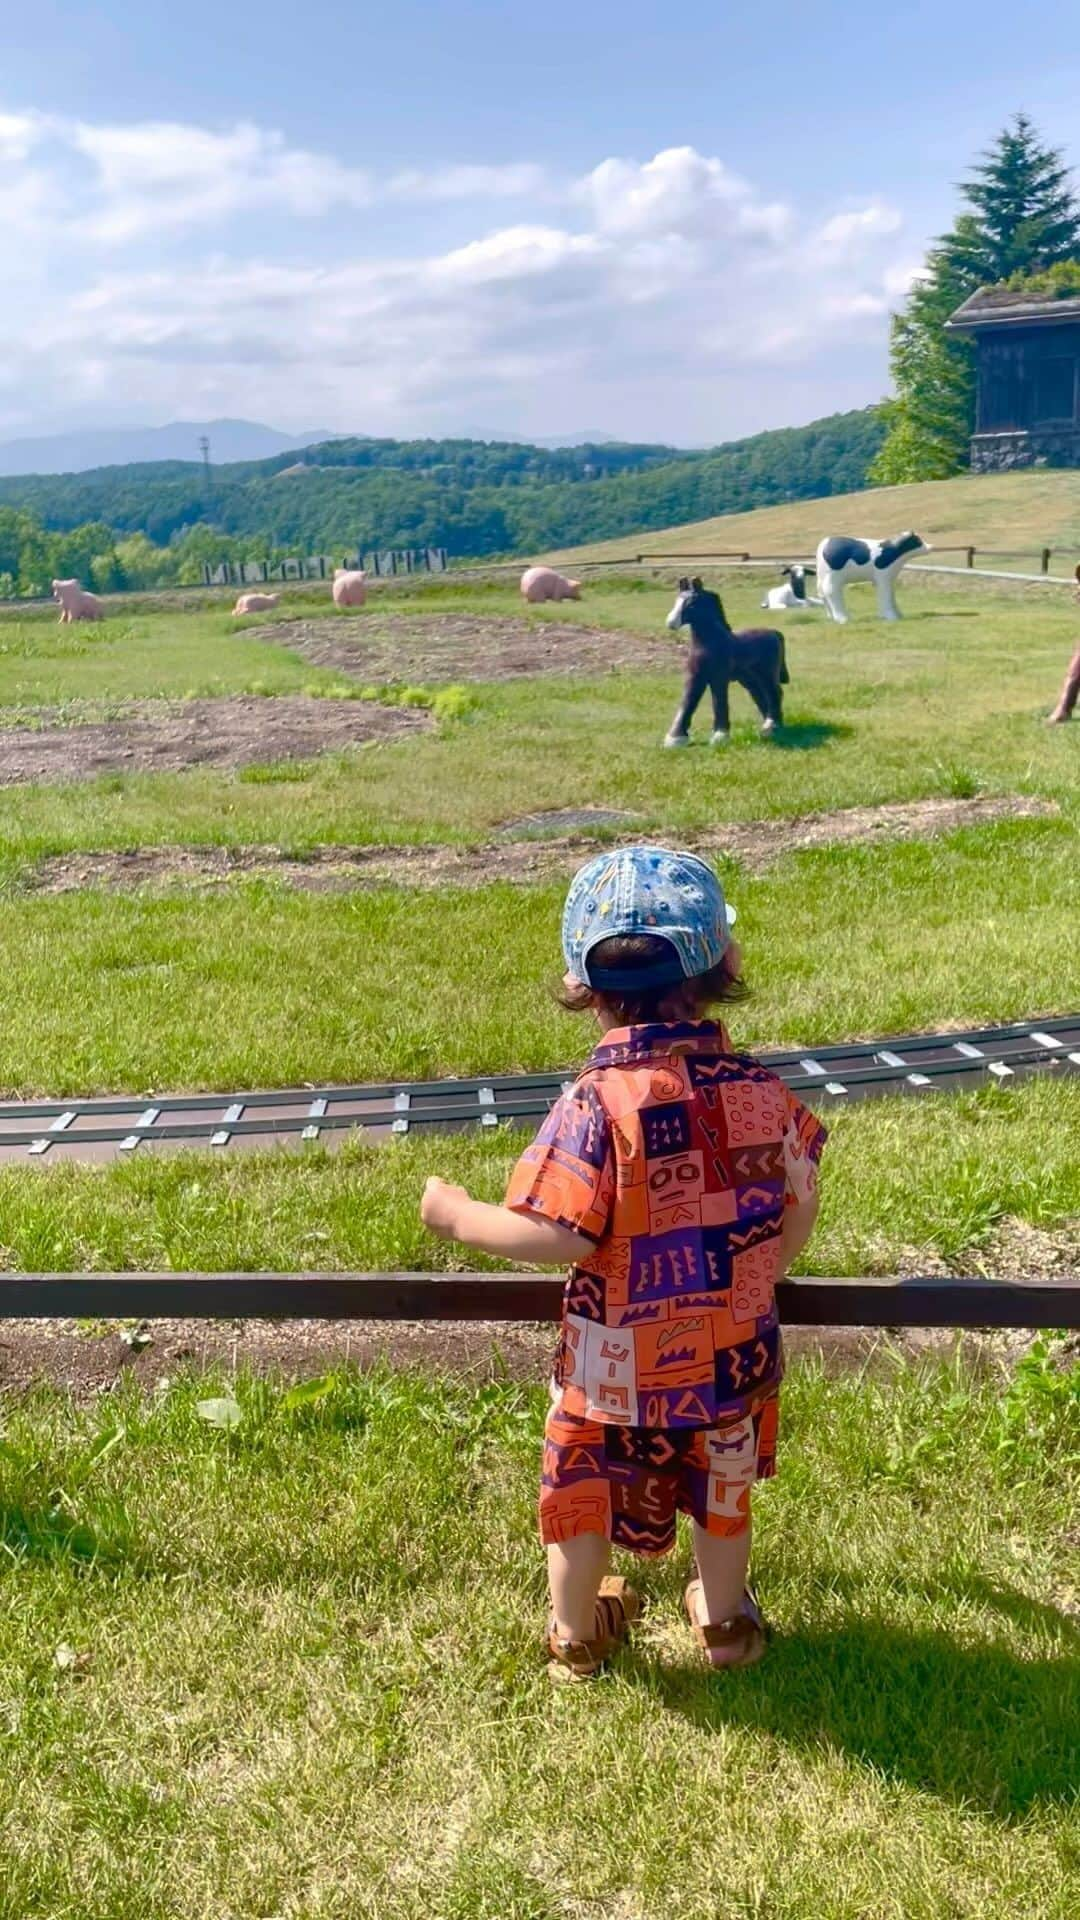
point(469, 496)
point(1007, 510)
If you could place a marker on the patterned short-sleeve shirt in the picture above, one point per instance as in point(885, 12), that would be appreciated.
point(677, 1157)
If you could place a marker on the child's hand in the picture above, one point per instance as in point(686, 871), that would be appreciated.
point(441, 1206)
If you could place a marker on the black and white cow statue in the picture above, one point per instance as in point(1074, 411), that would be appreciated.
point(842, 560)
point(792, 596)
point(753, 657)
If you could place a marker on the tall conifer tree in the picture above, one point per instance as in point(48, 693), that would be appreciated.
point(1021, 216)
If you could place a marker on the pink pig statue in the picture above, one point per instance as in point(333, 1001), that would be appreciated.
point(256, 602)
point(350, 587)
point(543, 583)
point(75, 603)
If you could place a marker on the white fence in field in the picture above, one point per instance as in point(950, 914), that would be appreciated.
point(385, 563)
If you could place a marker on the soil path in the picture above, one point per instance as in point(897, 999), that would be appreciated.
point(157, 736)
point(401, 649)
point(524, 852)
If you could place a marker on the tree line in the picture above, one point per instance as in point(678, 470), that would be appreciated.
point(157, 525)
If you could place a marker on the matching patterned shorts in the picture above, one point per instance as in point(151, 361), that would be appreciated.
point(628, 1483)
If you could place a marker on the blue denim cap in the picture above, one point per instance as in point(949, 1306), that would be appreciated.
point(673, 896)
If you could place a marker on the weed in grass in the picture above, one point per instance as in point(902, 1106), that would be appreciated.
point(1039, 1418)
point(960, 782)
point(277, 772)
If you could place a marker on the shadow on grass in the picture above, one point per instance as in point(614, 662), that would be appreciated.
point(943, 613)
point(44, 1532)
point(804, 736)
point(976, 1725)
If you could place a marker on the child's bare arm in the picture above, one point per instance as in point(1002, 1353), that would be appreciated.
point(799, 1223)
point(451, 1213)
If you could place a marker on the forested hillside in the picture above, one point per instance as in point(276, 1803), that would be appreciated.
point(472, 497)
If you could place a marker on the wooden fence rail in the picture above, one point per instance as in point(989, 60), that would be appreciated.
point(1042, 554)
point(806, 1302)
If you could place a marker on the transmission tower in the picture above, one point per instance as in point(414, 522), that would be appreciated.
point(204, 449)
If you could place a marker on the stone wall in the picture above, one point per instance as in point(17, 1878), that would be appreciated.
point(1034, 447)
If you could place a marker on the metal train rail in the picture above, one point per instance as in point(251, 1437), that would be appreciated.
point(914, 1064)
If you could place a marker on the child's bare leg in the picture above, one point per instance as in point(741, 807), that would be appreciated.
point(722, 1566)
point(575, 1570)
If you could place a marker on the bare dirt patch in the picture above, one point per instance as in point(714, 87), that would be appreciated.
point(442, 647)
point(759, 842)
point(755, 843)
point(158, 736)
point(90, 1360)
point(566, 820)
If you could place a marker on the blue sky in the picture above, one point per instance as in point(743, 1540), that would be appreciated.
point(681, 222)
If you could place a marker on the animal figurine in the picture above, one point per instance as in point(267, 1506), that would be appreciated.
point(842, 559)
point(792, 596)
point(1070, 692)
point(75, 603)
point(753, 657)
point(256, 603)
point(350, 587)
point(543, 583)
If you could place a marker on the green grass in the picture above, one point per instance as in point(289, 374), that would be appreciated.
point(877, 714)
point(141, 657)
point(1003, 510)
point(979, 1159)
point(253, 984)
point(257, 985)
point(293, 1668)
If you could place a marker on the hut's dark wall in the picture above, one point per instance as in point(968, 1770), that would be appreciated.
point(1027, 404)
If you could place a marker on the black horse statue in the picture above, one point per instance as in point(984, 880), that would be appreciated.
point(753, 657)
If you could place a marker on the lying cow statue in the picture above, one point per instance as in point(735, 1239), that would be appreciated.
point(350, 587)
point(841, 560)
point(256, 603)
point(753, 657)
point(75, 603)
point(792, 596)
point(543, 583)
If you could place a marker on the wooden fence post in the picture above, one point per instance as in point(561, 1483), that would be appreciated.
point(1046, 559)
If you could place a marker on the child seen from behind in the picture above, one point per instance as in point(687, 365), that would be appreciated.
point(678, 1181)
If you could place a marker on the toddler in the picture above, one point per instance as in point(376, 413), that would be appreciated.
point(677, 1180)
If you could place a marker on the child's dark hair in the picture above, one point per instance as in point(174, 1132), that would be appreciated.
point(640, 1006)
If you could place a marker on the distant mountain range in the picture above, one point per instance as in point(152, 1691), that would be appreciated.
point(81, 451)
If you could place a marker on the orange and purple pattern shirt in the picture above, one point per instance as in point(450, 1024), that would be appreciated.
point(677, 1158)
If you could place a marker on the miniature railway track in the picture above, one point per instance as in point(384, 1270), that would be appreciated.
point(913, 1064)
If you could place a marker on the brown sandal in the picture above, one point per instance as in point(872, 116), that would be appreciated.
point(738, 1642)
point(617, 1607)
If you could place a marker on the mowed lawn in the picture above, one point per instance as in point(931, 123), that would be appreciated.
point(273, 1652)
point(1010, 515)
point(111, 991)
point(256, 984)
point(291, 1666)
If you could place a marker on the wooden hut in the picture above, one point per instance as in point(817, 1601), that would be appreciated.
point(1027, 407)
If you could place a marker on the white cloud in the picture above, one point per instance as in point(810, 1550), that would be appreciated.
point(898, 280)
point(515, 253)
point(19, 132)
point(678, 191)
point(160, 174)
point(515, 181)
point(642, 279)
point(846, 232)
